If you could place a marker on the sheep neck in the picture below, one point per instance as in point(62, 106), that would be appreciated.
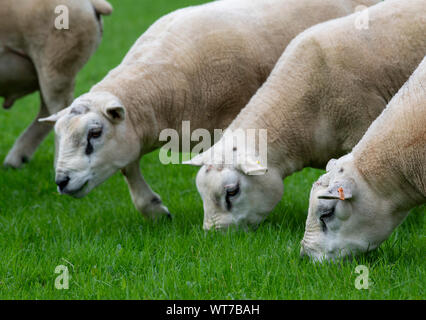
point(391, 156)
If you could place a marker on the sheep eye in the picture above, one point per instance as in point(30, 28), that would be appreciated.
point(232, 192)
point(325, 217)
point(94, 133)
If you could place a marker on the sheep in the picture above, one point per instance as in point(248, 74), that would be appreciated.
point(200, 64)
point(331, 82)
point(39, 53)
point(367, 193)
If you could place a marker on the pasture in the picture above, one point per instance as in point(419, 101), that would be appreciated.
point(112, 252)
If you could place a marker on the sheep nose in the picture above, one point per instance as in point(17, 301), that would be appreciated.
point(62, 182)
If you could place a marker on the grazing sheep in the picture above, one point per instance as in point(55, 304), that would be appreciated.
point(366, 194)
point(200, 64)
point(35, 56)
point(330, 84)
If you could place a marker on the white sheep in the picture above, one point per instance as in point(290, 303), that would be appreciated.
point(366, 194)
point(200, 64)
point(330, 84)
point(36, 56)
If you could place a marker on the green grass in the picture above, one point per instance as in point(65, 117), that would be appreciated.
point(113, 253)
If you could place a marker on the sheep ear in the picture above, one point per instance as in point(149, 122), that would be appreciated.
point(115, 113)
point(252, 167)
point(51, 120)
point(102, 7)
point(339, 190)
point(199, 160)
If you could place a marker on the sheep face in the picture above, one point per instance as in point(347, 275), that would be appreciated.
point(234, 199)
point(93, 141)
point(345, 215)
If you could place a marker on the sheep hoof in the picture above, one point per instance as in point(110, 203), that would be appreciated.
point(15, 161)
point(156, 210)
point(8, 103)
point(169, 216)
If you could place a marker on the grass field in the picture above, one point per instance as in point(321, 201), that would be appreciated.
point(113, 253)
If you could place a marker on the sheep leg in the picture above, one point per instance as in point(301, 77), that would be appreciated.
point(145, 200)
point(27, 143)
point(56, 91)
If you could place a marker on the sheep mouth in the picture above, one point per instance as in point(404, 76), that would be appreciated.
point(78, 193)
